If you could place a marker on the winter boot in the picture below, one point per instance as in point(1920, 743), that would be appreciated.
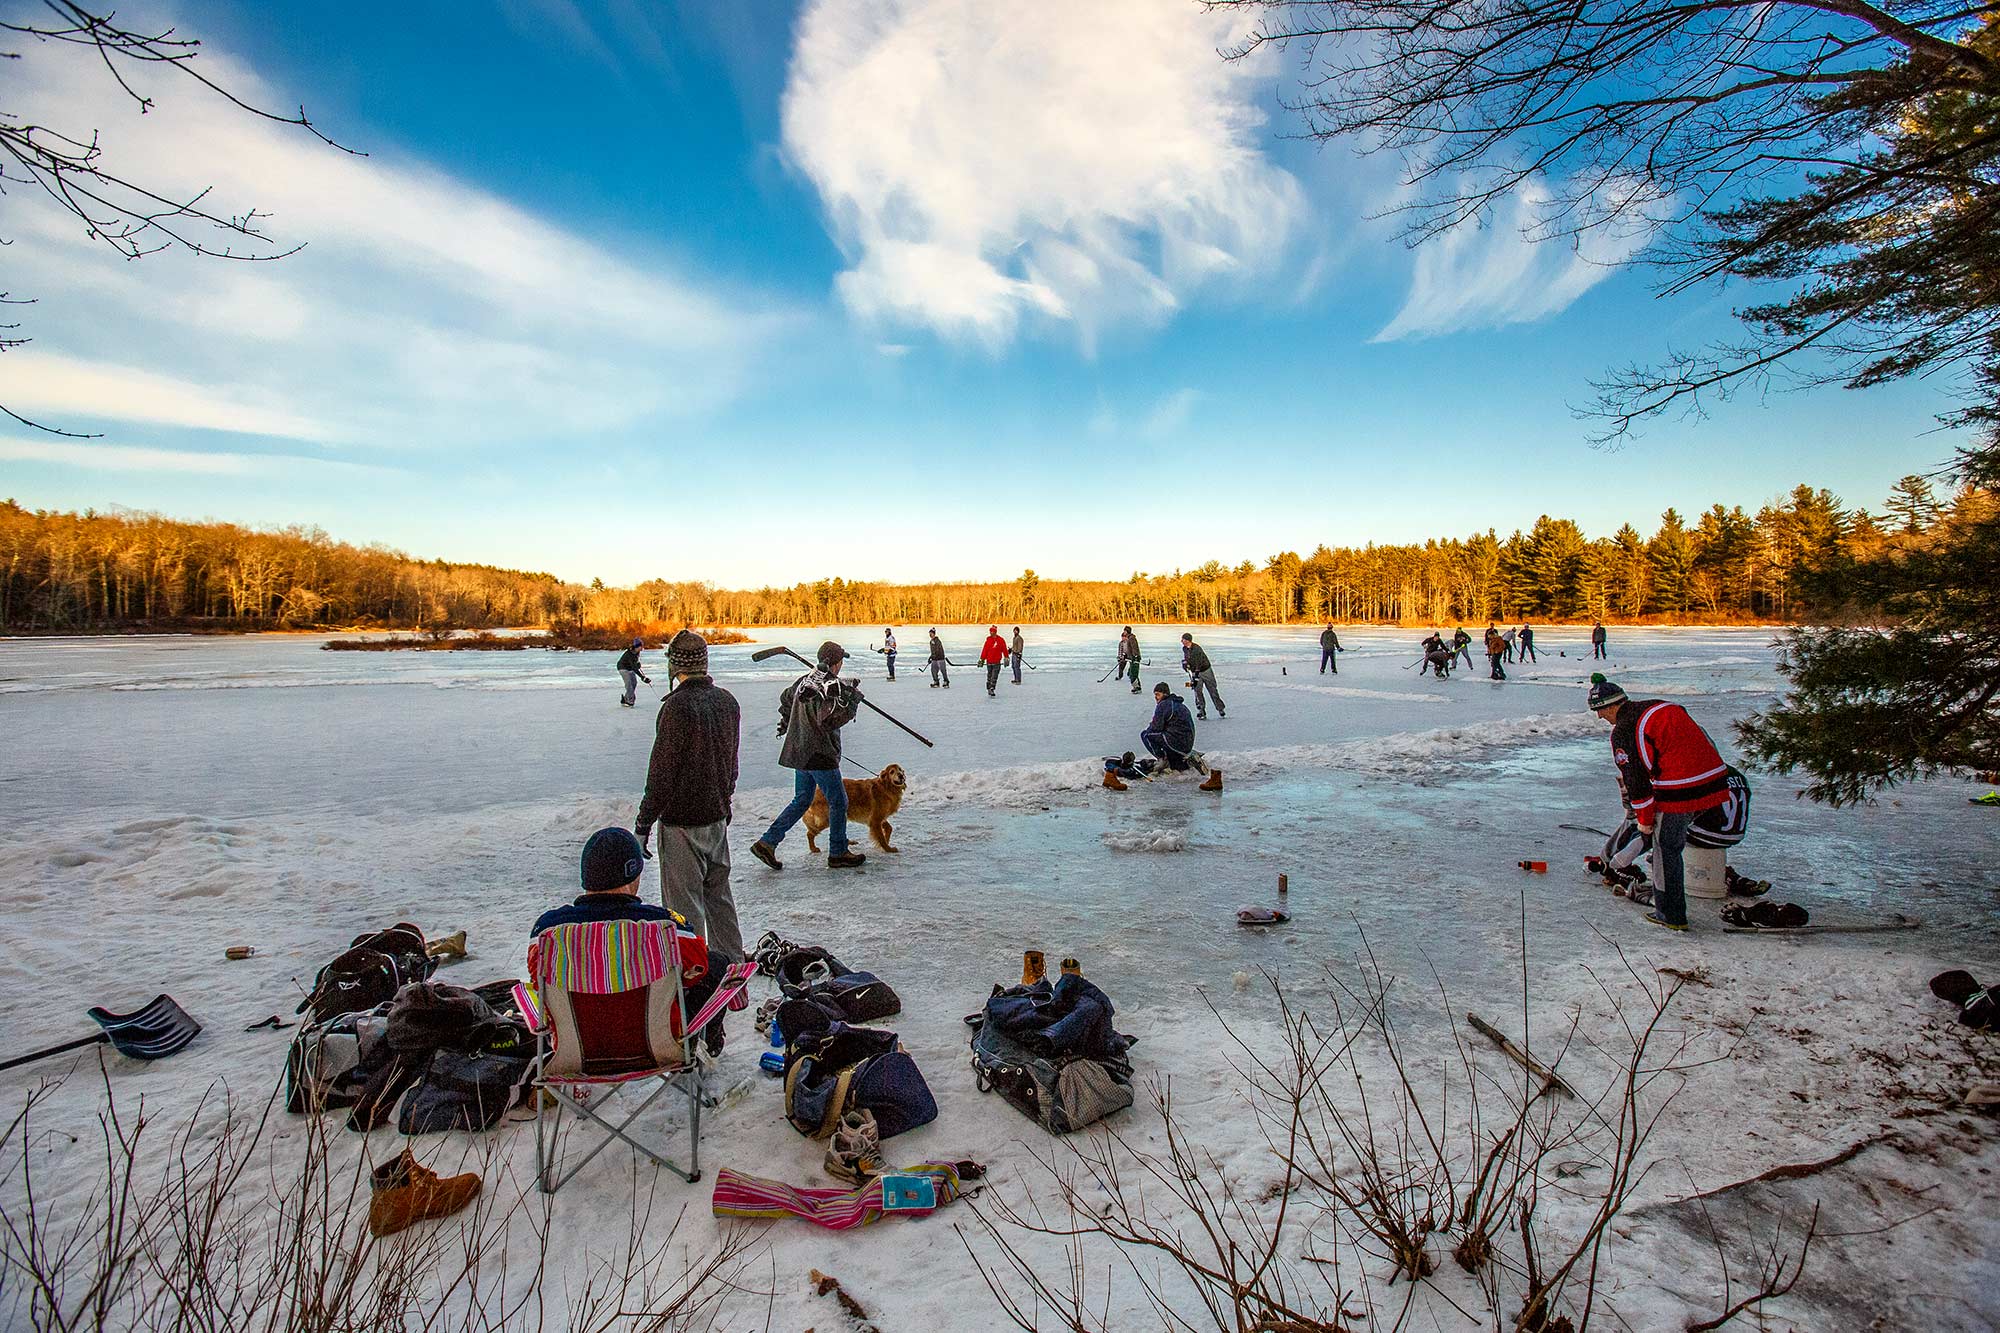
point(843, 860)
point(766, 853)
point(855, 1154)
point(1214, 782)
point(450, 947)
point(1033, 967)
point(1113, 781)
point(405, 1194)
point(1071, 968)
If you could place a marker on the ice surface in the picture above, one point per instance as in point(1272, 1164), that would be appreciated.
point(165, 798)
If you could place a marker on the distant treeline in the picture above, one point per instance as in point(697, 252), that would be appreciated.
point(67, 571)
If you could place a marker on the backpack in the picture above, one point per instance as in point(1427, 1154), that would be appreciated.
point(1060, 1093)
point(831, 1069)
point(369, 973)
point(857, 997)
point(327, 1064)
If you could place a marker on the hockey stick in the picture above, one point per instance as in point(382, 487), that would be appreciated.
point(1584, 828)
point(764, 653)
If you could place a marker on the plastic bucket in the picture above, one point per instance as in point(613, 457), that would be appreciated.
point(1703, 869)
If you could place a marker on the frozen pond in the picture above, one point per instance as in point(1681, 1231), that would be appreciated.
point(167, 797)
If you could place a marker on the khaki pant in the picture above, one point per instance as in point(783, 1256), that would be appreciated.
point(694, 881)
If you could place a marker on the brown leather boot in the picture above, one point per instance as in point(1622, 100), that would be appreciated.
point(1214, 782)
point(1033, 967)
point(406, 1193)
point(1113, 781)
point(1071, 968)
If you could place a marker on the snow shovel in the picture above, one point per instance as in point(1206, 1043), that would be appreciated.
point(160, 1029)
point(762, 653)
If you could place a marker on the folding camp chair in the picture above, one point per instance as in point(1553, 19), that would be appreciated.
point(607, 1000)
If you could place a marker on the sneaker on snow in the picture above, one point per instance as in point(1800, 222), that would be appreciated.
point(1659, 920)
point(766, 853)
point(844, 860)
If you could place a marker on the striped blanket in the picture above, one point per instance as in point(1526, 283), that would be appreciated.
point(738, 1194)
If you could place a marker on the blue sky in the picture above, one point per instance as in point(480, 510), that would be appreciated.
point(891, 289)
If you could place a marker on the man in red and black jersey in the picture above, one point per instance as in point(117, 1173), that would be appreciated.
point(1672, 773)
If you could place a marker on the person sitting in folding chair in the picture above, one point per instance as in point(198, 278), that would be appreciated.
point(610, 979)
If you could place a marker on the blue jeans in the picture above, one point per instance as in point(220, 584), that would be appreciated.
point(892, 664)
point(1670, 894)
point(1017, 668)
point(807, 781)
point(1156, 745)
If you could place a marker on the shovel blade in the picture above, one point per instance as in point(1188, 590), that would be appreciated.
point(160, 1029)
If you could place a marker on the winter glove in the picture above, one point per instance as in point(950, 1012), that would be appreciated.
point(645, 836)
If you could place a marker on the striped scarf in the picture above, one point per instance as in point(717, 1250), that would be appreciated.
point(740, 1195)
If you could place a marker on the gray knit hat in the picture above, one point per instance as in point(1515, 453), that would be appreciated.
point(1603, 694)
point(687, 654)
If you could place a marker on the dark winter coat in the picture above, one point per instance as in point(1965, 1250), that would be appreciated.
point(1597, 634)
point(1329, 641)
point(811, 712)
point(937, 649)
point(629, 660)
point(1667, 762)
point(1193, 660)
point(691, 779)
point(1073, 1018)
point(1173, 723)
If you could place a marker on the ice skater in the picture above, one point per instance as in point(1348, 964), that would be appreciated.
point(1128, 658)
point(1496, 649)
point(811, 712)
point(1527, 644)
point(1201, 676)
point(1672, 775)
point(1018, 647)
point(1461, 645)
point(940, 675)
point(992, 654)
point(1507, 638)
point(633, 673)
point(1329, 651)
point(1597, 650)
point(888, 650)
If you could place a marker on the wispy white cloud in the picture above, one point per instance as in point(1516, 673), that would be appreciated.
point(32, 381)
point(1170, 413)
point(985, 164)
point(136, 458)
point(424, 311)
point(1507, 270)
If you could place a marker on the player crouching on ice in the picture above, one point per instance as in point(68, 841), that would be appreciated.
point(1677, 790)
point(1169, 739)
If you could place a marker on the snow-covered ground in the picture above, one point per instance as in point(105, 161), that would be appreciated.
point(166, 798)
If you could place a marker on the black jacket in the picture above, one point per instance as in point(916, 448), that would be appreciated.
point(692, 776)
point(1329, 641)
point(937, 649)
point(629, 660)
point(811, 712)
point(1193, 660)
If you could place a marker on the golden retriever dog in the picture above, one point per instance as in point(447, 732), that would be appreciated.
point(870, 801)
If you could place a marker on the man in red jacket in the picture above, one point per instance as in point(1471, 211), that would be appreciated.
point(1672, 773)
point(993, 654)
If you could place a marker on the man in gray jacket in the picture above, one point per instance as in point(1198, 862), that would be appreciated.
point(811, 712)
point(1200, 676)
point(1329, 651)
point(690, 785)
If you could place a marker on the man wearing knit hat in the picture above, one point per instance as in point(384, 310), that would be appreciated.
point(690, 784)
point(1672, 775)
point(811, 712)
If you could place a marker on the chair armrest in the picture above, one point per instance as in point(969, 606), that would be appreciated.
point(734, 981)
point(530, 1006)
